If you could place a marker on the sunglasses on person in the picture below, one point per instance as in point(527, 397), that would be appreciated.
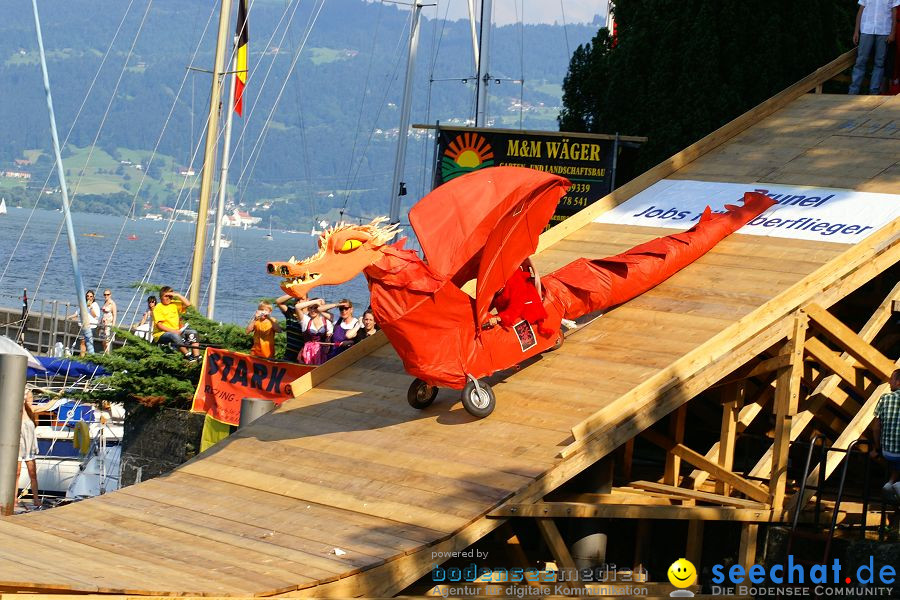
point(107, 294)
point(169, 296)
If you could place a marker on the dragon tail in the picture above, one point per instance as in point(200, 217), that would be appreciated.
point(585, 286)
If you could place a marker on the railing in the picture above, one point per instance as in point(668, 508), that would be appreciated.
point(44, 324)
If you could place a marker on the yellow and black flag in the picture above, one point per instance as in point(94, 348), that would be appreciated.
point(240, 76)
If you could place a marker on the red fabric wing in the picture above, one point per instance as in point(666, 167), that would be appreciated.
point(454, 222)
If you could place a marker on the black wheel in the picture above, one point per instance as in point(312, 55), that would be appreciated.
point(560, 339)
point(479, 402)
point(420, 395)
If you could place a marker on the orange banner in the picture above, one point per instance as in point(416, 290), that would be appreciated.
point(228, 377)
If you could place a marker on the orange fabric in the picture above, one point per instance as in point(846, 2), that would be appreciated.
point(263, 338)
point(519, 300)
point(226, 378)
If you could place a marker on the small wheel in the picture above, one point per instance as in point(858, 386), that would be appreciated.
point(560, 339)
point(420, 395)
point(480, 401)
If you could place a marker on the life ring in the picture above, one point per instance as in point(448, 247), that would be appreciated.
point(81, 438)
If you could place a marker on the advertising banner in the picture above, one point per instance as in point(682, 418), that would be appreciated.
point(228, 377)
point(804, 213)
point(585, 159)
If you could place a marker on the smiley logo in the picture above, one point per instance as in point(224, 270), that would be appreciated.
point(682, 573)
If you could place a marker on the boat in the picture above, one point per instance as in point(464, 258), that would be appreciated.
point(93, 235)
point(224, 242)
point(132, 237)
point(269, 235)
point(2, 206)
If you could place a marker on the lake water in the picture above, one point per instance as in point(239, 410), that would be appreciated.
point(36, 260)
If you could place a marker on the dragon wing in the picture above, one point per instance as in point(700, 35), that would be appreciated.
point(457, 223)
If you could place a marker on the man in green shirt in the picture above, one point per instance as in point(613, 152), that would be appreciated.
point(886, 434)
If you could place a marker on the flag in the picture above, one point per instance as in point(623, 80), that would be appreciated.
point(240, 76)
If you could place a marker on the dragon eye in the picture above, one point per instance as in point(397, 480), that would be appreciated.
point(350, 245)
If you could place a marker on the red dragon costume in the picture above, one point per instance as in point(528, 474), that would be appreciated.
point(482, 226)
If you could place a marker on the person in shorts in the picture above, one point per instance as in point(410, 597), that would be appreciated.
point(28, 446)
point(167, 325)
point(886, 435)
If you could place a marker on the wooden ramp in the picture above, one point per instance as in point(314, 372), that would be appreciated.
point(348, 491)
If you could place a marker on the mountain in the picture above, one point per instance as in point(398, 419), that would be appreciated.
point(330, 140)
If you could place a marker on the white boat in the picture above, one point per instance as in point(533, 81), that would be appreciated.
point(269, 235)
point(2, 206)
point(224, 242)
point(64, 469)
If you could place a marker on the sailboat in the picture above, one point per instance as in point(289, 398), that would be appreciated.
point(224, 242)
point(2, 206)
point(269, 235)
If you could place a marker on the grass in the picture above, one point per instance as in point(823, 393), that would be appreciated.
point(32, 155)
point(321, 56)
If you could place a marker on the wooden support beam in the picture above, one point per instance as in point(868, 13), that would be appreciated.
point(632, 511)
point(697, 495)
point(694, 548)
point(857, 347)
point(828, 389)
point(557, 546)
point(733, 394)
point(854, 430)
point(787, 399)
point(701, 462)
point(832, 361)
point(752, 334)
point(672, 470)
point(627, 459)
point(747, 548)
point(755, 370)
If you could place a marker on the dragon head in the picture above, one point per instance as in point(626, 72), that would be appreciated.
point(344, 251)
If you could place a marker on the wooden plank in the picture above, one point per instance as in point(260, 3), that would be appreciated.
point(828, 389)
point(731, 412)
point(701, 462)
point(832, 361)
point(694, 545)
point(747, 548)
point(672, 469)
point(695, 495)
point(631, 511)
point(839, 333)
point(558, 548)
point(854, 430)
point(787, 400)
point(856, 264)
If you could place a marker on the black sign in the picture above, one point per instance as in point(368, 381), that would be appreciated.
point(587, 161)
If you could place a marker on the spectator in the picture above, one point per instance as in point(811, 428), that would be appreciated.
point(86, 336)
point(263, 327)
point(875, 24)
point(28, 447)
point(293, 326)
point(108, 318)
point(346, 329)
point(167, 325)
point(369, 326)
point(144, 329)
point(317, 330)
point(886, 434)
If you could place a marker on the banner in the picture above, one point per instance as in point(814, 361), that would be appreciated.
point(804, 213)
point(586, 160)
point(228, 377)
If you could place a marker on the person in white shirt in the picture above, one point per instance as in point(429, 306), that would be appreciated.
point(875, 24)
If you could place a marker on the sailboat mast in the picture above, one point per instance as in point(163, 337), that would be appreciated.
point(61, 174)
point(484, 76)
point(209, 154)
point(398, 188)
point(220, 204)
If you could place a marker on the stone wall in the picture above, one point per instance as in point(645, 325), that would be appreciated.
point(157, 440)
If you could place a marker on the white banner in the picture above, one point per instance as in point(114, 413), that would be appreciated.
point(805, 213)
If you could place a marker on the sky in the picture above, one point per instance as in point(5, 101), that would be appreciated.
point(535, 11)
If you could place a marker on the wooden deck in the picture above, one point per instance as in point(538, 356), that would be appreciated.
point(346, 490)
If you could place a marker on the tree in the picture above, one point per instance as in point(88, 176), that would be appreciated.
point(682, 68)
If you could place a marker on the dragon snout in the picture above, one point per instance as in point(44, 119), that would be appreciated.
point(279, 268)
